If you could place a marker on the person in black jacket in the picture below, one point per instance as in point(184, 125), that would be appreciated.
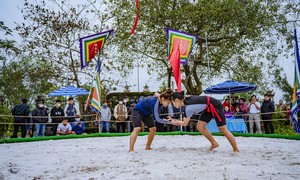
point(267, 108)
point(57, 114)
point(40, 117)
point(20, 110)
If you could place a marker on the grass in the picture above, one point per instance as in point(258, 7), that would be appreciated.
point(175, 133)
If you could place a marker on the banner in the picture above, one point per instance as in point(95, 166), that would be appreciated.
point(91, 45)
point(185, 42)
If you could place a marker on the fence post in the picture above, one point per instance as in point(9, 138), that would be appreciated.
point(99, 123)
point(180, 119)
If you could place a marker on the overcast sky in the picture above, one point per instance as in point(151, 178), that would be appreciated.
point(10, 13)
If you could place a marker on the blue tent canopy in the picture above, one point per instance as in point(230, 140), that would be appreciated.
point(229, 87)
point(69, 91)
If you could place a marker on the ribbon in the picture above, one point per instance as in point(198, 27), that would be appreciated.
point(136, 17)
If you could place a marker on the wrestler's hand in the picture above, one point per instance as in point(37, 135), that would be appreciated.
point(168, 119)
point(174, 122)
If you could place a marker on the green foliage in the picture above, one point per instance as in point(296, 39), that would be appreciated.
point(282, 83)
point(240, 37)
point(281, 128)
point(25, 79)
point(282, 123)
point(51, 32)
point(8, 48)
point(5, 119)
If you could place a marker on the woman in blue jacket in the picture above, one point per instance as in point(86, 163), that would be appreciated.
point(143, 112)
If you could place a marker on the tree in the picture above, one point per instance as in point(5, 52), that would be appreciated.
point(51, 32)
point(25, 78)
point(242, 37)
point(8, 49)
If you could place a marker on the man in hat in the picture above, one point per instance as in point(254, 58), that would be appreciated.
point(267, 109)
point(71, 111)
point(120, 113)
point(20, 110)
point(57, 114)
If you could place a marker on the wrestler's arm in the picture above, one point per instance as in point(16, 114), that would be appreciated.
point(185, 122)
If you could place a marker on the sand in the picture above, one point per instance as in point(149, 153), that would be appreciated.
point(173, 157)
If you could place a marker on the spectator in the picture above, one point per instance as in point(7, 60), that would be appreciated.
point(236, 102)
point(283, 112)
point(29, 126)
point(20, 110)
point(163, 114)
point(129, 125)
point(254, 109)
point(105, 117)
point(120, 113)
point(267, 108)
point(227, 103)
point(78, 127)
point(228, 113)
point(41, 113)
point(71, 111)
point(126, 102)
point(238, 113)
point(57, 114)
point(193, 122)
point(243, 106)
point(64, 128)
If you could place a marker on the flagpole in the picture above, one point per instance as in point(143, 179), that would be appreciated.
point(208, 65)
point(98, 71)
point(138, 74)
point(206, 44)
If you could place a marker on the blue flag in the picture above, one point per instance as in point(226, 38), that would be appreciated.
point(296, 98)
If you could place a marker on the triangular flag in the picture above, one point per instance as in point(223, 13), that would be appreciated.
point(175, 63)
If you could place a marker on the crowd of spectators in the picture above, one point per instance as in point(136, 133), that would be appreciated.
point(66, 120)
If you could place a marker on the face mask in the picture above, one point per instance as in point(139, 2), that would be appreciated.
point(237, 101)
point(120, 102)
point(104, 105)
point(41, 105)
point(125, 100)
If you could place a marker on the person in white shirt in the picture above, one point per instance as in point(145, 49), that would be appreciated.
point(254, 110)
point(64, 128)
point(105, 117)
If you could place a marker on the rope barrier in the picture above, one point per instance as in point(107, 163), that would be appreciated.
point(112, 121)
point(90, 115)
point(94, 115)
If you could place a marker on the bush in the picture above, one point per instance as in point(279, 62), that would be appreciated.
point(5, 119)
point(280, 125)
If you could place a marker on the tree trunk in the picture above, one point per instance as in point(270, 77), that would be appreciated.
point(169, 71)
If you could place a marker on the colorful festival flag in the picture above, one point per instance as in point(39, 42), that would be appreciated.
point(96, 99)
point(91, 45)
point(296, 96)
point(185, 42)
point(175, 63)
